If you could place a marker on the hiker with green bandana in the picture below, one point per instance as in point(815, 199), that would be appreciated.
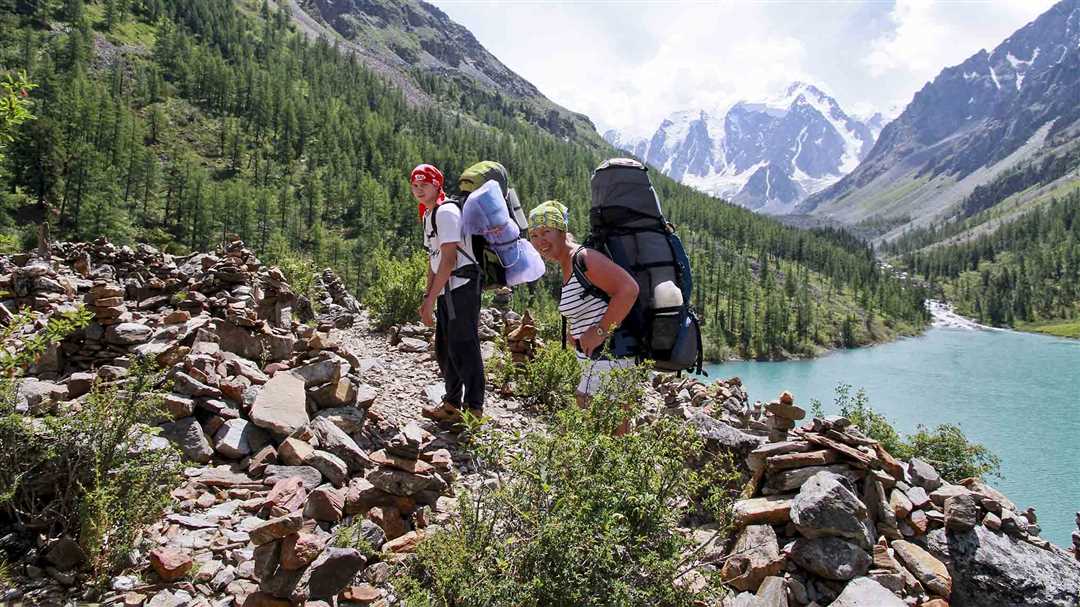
point(596, 296)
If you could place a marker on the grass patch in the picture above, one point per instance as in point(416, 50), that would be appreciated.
point(1057, 328)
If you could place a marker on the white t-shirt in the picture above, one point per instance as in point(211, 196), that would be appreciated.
point(448, 216)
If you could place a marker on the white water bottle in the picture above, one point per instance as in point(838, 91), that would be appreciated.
point(667, 295)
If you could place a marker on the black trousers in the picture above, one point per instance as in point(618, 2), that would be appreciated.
point(457, 346)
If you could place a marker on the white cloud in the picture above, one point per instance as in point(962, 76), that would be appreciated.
point(928, 36)
point(630, 64)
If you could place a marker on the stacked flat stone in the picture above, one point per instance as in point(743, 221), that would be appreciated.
point(686, 397)
point(782, 415)
point(521, 338)
point(339, 307)
point(832, 518)
point(106, 301)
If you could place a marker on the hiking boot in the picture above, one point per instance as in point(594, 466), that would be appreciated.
point(443, 414)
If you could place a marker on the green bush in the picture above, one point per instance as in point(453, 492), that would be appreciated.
point(579, 517)
point(351, 536)
point(549, 379)
point(952, 455)
point(946, 447)
point(397, 289)
point(301, 274)
point(91, 473)
point(500, 368)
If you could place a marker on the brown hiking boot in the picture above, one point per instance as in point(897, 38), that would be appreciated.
point(445, 413)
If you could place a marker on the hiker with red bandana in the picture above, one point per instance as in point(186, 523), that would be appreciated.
point(453, 293)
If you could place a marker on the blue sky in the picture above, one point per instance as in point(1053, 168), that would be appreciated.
point(628, 64)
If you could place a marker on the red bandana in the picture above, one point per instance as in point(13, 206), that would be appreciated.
point(426, 173)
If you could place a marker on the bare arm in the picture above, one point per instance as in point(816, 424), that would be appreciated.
point(621, 290)
point(607, 276)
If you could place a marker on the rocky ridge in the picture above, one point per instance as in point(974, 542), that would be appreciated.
point(299, 432)
point(292, 428)
point(829, 517)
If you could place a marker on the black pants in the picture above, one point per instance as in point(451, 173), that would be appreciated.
point(457, 346)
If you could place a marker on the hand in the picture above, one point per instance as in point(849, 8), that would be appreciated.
point(591, 340)
point(426, 312)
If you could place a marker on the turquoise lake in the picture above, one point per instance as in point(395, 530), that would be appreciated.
point(1016, 393)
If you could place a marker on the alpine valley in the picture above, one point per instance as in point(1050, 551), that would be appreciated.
point(215, 391)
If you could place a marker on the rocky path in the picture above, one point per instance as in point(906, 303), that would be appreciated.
point(406, 381)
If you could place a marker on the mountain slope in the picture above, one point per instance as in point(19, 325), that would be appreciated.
point(974, 121)
point(764, 155)
point(420, 42)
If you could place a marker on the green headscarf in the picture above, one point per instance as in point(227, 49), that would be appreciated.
point(550, 214)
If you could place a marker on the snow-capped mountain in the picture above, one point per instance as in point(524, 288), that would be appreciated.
point(766, 155)
point(634, 145)
point(973, 121)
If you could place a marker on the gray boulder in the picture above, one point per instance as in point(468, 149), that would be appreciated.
point(333, 439)
point(923, 474)
point(373, 533)
point(349, 419)
point(188, 436)
point(825, 506)
point(281, 406)
point(720, 437)
point(238, 438)
point(311, 477)
point(864, 592)
point(961, 512)
point(328, 368)
point(189, 386)
point(773, 592)
point(332, 571)
point(991, 568)
point(830, 557)
point(128, 333)
point(38, 396)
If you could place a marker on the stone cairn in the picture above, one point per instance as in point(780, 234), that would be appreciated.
point(829, 517)
point(272, 415)
point(521, 337)
point(334, 299)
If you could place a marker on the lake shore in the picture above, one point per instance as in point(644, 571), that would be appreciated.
point(998, 385)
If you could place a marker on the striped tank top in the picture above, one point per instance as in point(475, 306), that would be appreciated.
point(582, 310)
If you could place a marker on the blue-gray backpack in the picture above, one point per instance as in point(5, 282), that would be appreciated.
point(627, 225)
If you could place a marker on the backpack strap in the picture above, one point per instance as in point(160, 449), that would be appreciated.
point(435, 233)
point(578, 269)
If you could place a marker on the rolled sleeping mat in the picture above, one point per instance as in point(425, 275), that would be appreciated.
point(523, 264)
point(485, 214)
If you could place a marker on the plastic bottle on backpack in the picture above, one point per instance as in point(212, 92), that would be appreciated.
point(667, 295)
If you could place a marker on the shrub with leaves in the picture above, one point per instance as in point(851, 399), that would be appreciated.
point(549, 379)
point(397, 289)
point(14, 105)
point(951, 453)
point(300, 273)
point(946, 447)
point(579, 516)
point(93, 473)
